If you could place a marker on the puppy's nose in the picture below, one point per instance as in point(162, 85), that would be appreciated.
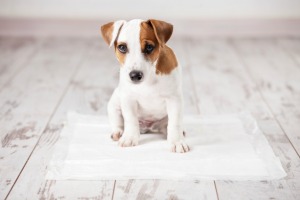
point(136, 76)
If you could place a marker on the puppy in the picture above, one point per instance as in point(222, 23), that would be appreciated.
point(149, 95)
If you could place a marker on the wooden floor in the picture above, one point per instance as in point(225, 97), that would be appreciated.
point(41, 79)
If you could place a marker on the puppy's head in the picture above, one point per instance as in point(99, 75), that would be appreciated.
point(140, 47)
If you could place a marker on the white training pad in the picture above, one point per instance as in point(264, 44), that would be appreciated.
point(226, 147)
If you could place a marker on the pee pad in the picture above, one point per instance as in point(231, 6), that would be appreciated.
point(223, 147)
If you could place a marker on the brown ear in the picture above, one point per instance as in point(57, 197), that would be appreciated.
point(106, 31)
point(162, 30)
point(110, 31)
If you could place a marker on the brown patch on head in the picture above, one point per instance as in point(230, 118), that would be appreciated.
point(163, 30)
point(106, 32)
point(157, 33)
point(147, 37)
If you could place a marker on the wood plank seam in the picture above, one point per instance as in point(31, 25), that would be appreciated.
point(246, 67)
point(82, 84)
point(113, 192)
point(213, 50)
point(234, 189)
point(197, 105)
point(216, 190)
point(51, 116)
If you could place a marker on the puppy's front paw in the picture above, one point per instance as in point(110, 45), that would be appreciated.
point(116, 134)
point(179, 147)
point(128, 140)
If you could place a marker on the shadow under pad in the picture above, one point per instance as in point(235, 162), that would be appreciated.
point(223, 147)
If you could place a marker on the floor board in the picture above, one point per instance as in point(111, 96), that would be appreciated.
point(41, 79)
point(277, 77)
point(220, 78)
point(14, 55)
point(85, 94)
point(29, 100)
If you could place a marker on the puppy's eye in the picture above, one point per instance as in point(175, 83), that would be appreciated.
point(122, 48)
point(149, 48)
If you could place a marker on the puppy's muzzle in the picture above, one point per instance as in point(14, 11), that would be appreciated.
point(136, 76)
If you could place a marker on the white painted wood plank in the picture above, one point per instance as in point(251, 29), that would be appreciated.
point(86, 96)
point(163, 189)
point(278, 79)
point(72, 190)
point(28, 101)
point(221, 80)
point(88, 93)
point(179, 47)
point(291, 47)
point(282, 189)
point(160, 189)
point(15, 52)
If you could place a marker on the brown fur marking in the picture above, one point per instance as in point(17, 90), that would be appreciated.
point(163, 30)
point(166, 62)
point(120, 56)
point(147, 36)
point(158, 33)
point(106, 32)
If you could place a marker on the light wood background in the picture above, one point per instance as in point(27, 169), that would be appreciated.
point(41, 78)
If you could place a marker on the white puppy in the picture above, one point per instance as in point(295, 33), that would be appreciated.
point(149, 95)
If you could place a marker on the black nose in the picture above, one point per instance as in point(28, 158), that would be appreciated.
point(136, 76)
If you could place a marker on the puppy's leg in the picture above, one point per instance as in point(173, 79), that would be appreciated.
point(115, 115)
point(175, 130)
point(131, 133)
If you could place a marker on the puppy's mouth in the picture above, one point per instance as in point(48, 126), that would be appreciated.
point(136, 76)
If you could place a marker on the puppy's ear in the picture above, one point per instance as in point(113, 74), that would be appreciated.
point(162, 30)
point(111, 31)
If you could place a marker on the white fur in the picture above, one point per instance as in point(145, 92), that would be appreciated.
point(117, 26)
point(156, 99)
